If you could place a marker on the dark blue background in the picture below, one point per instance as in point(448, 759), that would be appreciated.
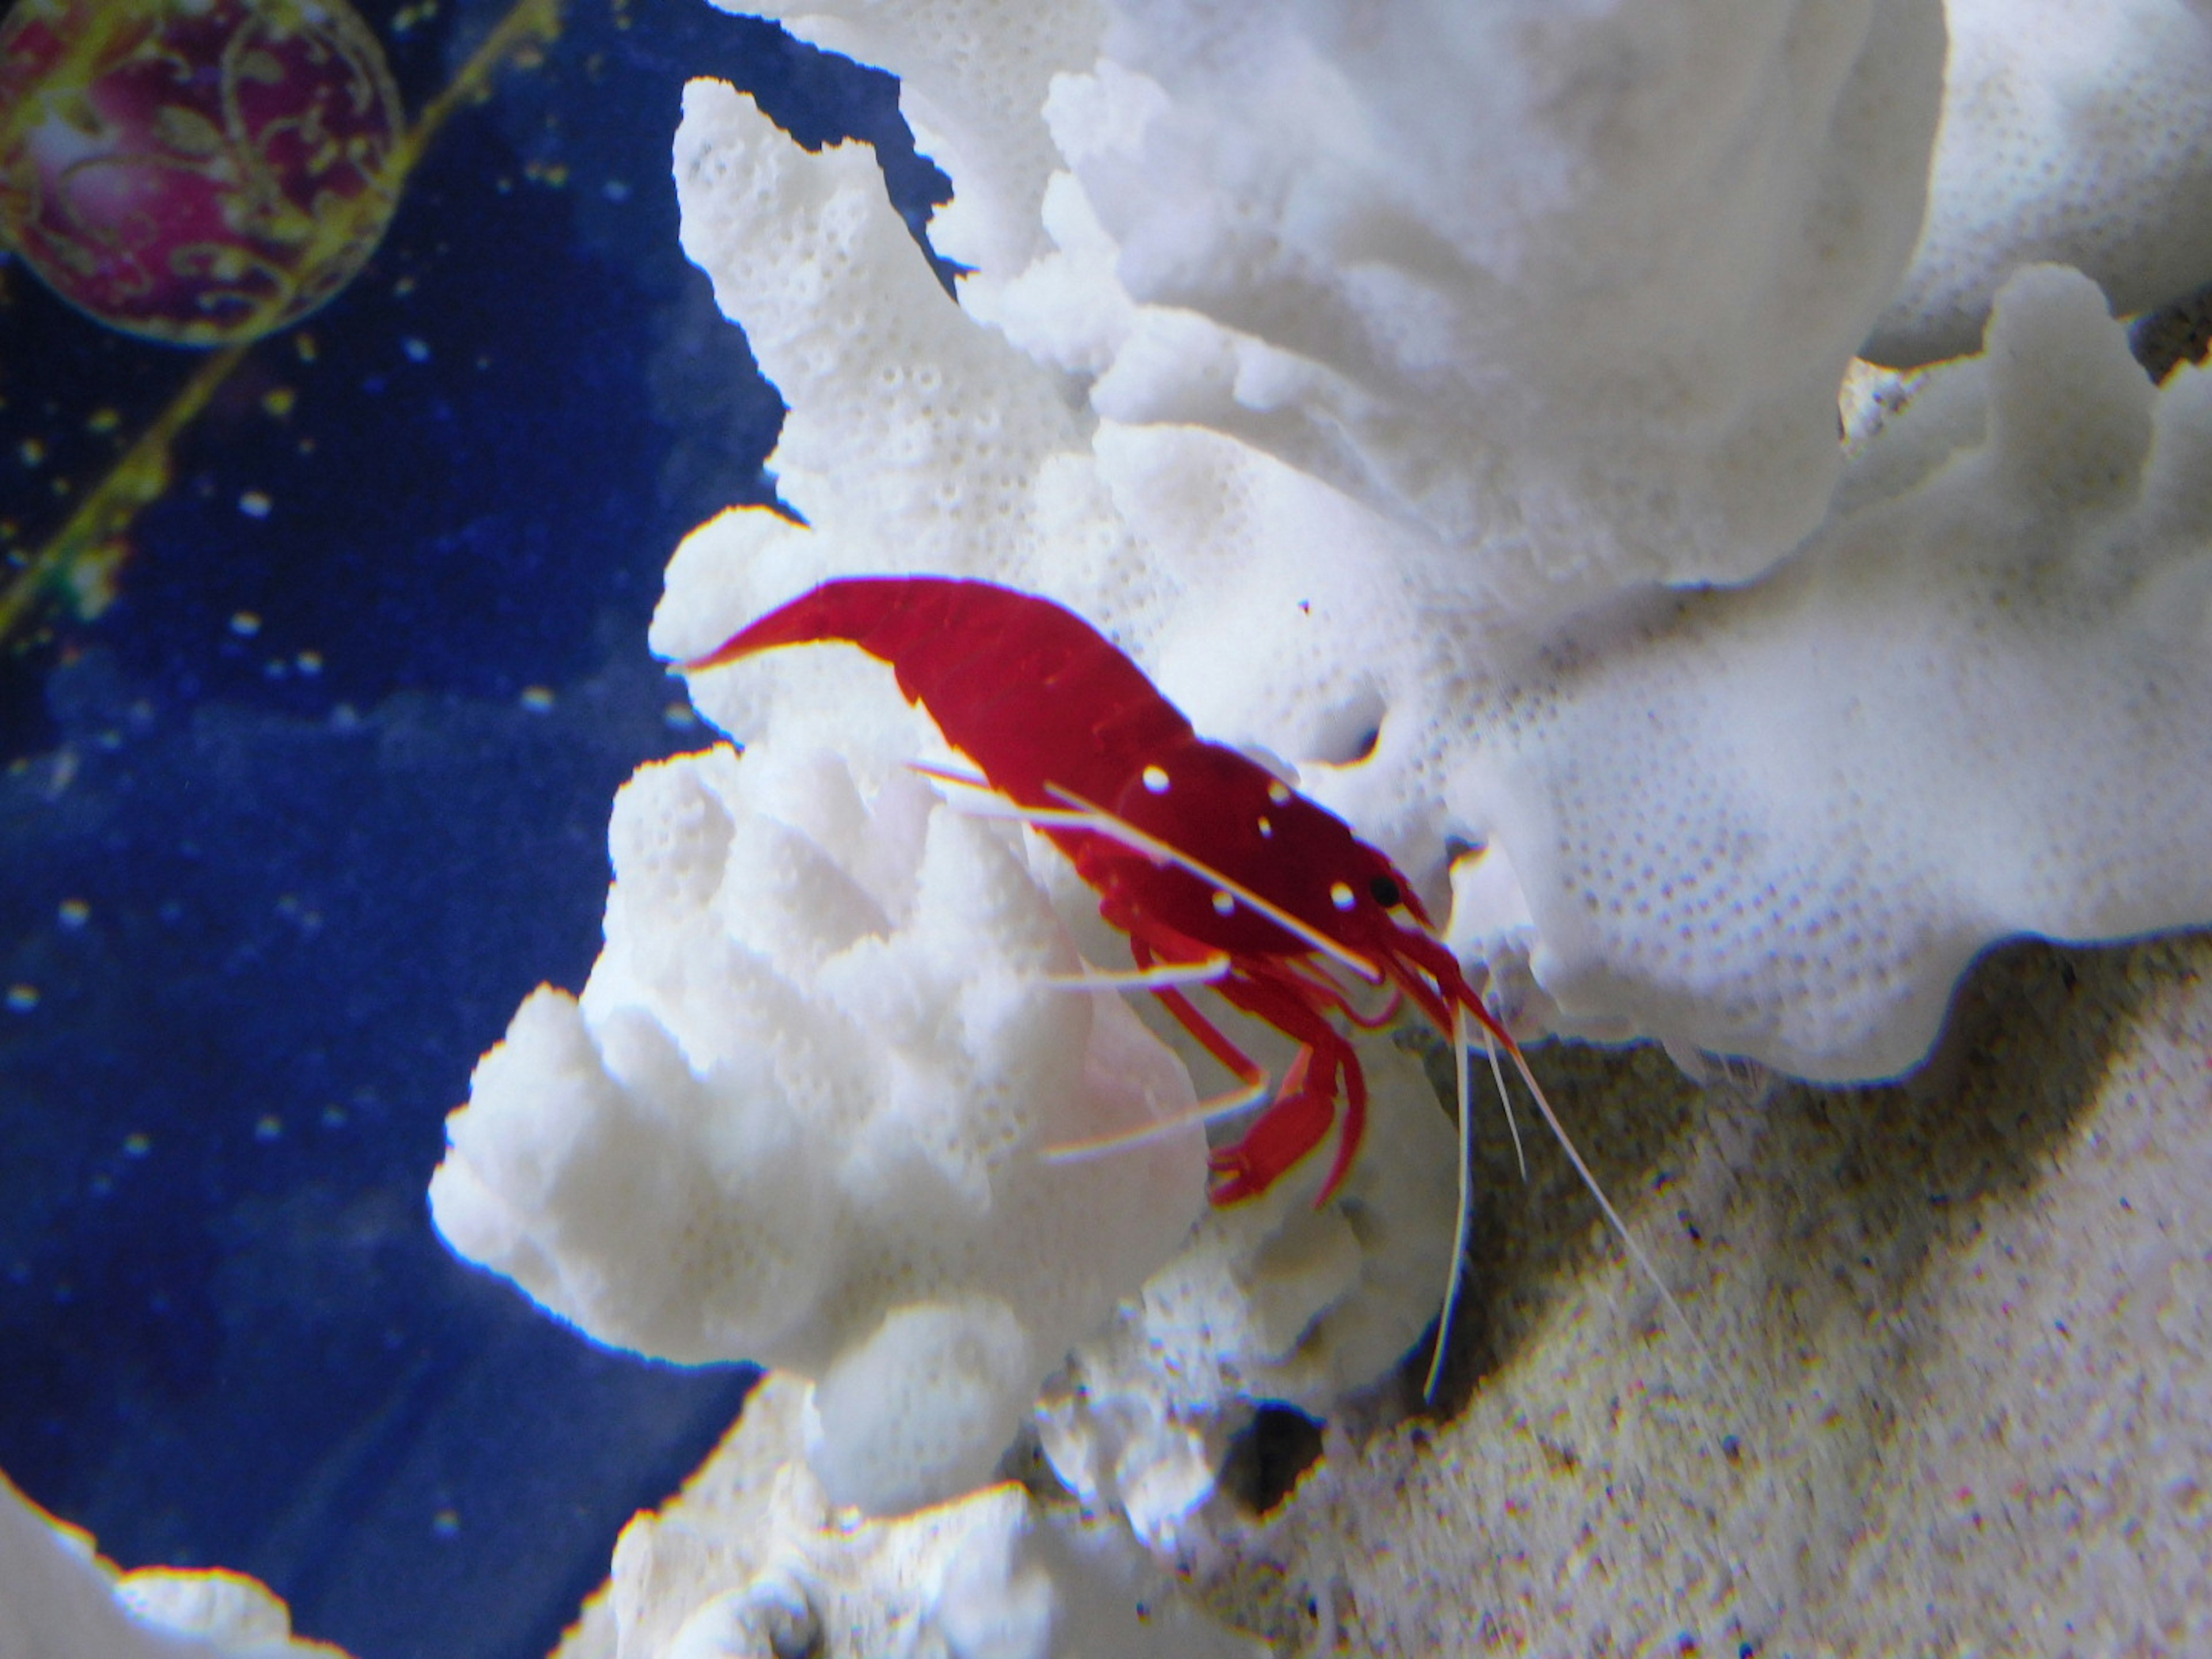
point(271, 915)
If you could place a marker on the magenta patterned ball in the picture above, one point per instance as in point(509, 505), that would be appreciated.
point(200, 172)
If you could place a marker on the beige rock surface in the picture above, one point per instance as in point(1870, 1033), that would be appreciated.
point(1954, 1393)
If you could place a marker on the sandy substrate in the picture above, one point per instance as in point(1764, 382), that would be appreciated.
point(1955, 1394)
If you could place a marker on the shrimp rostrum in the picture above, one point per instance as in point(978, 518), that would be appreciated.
point(1219, 872)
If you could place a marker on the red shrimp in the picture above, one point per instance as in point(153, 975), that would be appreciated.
point(1217, 871)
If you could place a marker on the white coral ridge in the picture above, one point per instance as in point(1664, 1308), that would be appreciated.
point(2074, 132)
point(1395, 383)
point(752, 1561)
point(59, 1597)
point(795, 1117)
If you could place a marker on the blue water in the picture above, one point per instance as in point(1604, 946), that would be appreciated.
point(291, 829)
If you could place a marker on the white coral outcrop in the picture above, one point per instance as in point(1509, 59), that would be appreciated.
point(59, 1597)
point(795, 1117)
point(2074, 132)
point(1681, 789)
point(1442, 399)
point(752, 1561)
point(1271, 1301)
point(1780, 821)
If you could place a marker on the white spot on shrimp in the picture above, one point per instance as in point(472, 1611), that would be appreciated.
point(1156, 780)
point(1279, 791)
point(1340, 896)
point(1266, 828)
point(1223, 903)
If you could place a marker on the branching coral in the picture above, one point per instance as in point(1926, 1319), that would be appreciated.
point(795, 1115)
point(1681, 793)
point(1781, 820)
point(1442, 400)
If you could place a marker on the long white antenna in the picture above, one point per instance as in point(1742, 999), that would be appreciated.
point(1168, 976)
point(1627, 1239)
point(1504, 1099)
point(1460, 1232)
point(1077, 813)
point(1460, 1237)
point(1123, 1140)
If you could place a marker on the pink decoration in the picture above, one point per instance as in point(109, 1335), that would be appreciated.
point(200, 172)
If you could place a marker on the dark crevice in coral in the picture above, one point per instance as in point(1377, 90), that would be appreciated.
point(1268, 1454)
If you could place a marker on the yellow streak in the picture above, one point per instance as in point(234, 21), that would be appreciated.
point(73, 67)
point(132, 484)
point(531, 23)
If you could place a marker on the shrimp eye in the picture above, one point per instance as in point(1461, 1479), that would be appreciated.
point(1386, 892)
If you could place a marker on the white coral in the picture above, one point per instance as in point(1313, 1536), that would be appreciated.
point(58, 1595)
point(796, 1115)
point(2074, 132)
point(1781, 820)
point(751, 1561)
point(1567, 290)
point(1396, 384)
point(1679, 789)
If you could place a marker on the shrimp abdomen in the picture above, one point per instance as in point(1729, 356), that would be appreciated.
point(1027, 690)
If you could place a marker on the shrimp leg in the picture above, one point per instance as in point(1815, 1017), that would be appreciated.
point(1304, 1110)
point(1255, 1084)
